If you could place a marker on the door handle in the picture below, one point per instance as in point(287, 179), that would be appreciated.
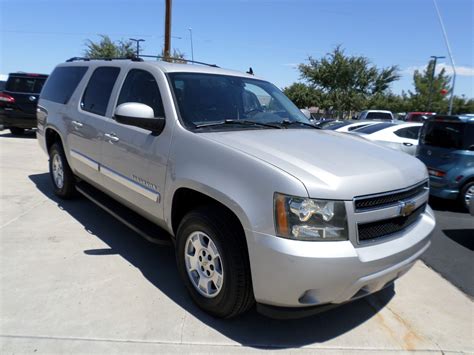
point(408, 144)
point(111, 137)
point(77, 124)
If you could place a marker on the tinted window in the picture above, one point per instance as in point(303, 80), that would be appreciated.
point(338, 125)
point(140, 86)
point(62, 83)
point(378, 116)
point(97, 94)
point(357, 127)
point(453, 135)
point(24, 84)
point(374, 128)
point(408, 132)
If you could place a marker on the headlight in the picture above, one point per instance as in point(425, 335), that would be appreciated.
point(309, 219)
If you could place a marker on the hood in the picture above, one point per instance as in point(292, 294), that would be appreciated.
point(330, 164)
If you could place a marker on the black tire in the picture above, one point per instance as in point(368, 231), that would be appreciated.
point(236, 295)
point(17, 131)
point(68, 189)
point(462, 194)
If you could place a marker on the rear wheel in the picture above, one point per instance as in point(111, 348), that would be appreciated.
point(467, 194)
point(17, 131)
point(213, 262)
point(60, 172)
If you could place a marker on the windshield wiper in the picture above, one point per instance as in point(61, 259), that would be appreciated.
point(286, 123)
point(236, 122)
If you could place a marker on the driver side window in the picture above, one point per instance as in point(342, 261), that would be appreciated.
point(140, 86)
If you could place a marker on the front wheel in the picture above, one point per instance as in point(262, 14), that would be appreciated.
point(60, 172)
point(212, 260)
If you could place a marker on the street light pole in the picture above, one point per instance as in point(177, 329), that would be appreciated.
point(192, 49)
point(450, 56)
point(435, 58)
point(138, 44)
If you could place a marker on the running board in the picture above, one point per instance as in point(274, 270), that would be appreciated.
point(144, 227)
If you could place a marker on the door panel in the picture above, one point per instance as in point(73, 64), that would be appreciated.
point(134, 160)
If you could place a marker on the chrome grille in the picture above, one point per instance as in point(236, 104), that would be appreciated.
point(388, 198)
point(386, 227)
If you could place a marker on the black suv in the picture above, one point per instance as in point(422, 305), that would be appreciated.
point(18, 101)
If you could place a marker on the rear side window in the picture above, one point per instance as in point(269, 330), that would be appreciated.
point(62, 83)
point(453, 135)
point(408, 132)
point(97, 94)
point(140, 86)
point(25, 84)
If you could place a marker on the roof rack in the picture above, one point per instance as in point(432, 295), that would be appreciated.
point(140, 59)
point(178, 60)
point(85, 59)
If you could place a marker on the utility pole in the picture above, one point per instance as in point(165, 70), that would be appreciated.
point(138, 44)
point(435, 58)
point(192, 49)
point(450, 56)
point(167, 29)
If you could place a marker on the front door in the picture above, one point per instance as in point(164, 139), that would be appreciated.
point(134, 160)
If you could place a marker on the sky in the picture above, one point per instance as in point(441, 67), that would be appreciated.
point(271, 36)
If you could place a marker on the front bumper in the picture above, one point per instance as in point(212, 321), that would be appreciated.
point(289, 273)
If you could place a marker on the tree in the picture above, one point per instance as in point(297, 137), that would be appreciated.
point(346, 82)
point(106, 48)
point(302, 95)
point(176, 57)
point(420, 98)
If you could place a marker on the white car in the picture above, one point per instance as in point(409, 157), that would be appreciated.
point(403, 137)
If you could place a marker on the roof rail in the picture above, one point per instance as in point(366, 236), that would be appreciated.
point(85, 59)
point(178, 60)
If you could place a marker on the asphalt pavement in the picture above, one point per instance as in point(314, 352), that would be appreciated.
point(75, 280)
point(452, 249)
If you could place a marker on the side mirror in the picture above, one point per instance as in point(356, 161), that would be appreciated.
point(306, 113)
point(139, 115)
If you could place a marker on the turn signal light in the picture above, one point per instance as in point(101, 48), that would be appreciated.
point(437, 173)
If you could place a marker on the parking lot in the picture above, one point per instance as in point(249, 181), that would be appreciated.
point(73, 279)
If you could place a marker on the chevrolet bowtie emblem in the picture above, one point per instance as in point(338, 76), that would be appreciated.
point(407, 208)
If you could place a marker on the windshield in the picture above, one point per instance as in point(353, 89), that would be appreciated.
point(373, 128)
point(206, 98)
point(378, 116)
point(452, 135)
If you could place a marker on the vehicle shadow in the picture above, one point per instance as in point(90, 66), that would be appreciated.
point(252, 329)
point(439, 204)
point(463, 237)
point(29, 134)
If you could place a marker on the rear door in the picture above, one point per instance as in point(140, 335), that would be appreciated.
point(87, 119)
point(407, 137)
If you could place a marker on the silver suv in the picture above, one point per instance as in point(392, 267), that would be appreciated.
point(262, 207)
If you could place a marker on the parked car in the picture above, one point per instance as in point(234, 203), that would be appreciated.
point(447, 148)
point(418, 116)
point(353, 125)
point(376, 115)
point(402, 136)
point(261, 205)
point(18, 101)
